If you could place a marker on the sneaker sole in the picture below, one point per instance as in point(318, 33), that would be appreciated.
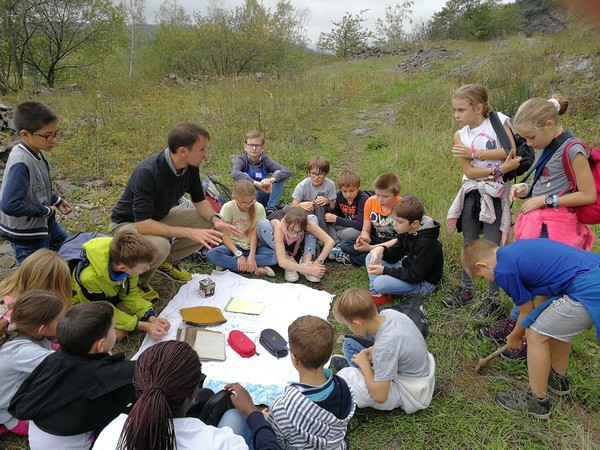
point(292, 278)
point(559, 393)
point(545, 416)
point(455, 306)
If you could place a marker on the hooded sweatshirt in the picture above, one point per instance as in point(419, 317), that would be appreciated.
point(98, 277)
point(68, 395)
point(313, 417)
point(244, 169)
point(421, 255)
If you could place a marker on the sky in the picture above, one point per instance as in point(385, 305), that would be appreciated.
point(322, 12)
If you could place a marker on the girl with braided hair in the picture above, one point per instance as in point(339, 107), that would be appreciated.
point(166, 380)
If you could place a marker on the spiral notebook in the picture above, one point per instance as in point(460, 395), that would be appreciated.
point(209, 345)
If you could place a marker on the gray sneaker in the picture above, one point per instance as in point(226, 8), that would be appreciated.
point(558, 384)
point(459, 298)
point(524, 401)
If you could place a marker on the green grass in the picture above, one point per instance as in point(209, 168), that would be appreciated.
point(410, 133)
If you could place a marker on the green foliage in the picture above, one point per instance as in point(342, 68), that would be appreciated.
point(390, 31)
point(348, 37)
point(475, 20)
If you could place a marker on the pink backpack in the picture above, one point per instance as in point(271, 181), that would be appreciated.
point(588, 214)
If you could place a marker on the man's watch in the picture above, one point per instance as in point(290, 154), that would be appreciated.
point(237, 254)
point(549, 201)
point(218, 216)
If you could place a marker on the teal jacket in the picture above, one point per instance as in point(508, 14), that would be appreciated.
point(97, 279)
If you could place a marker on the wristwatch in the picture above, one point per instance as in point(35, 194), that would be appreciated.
point(321, 261)
point(549, 201)
point(237, 254)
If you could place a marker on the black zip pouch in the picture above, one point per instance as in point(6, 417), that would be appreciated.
point(274, 343)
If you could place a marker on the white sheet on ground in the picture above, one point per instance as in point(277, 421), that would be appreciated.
point(264, 376)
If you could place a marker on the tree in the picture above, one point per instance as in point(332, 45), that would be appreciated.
point(134, 17)
point(390, 31)
point(348, 37)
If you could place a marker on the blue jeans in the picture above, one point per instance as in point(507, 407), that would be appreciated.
point(271, 200)
point(222, 256)
point(56, 237)
point(351, 347)
point(237, 422)
point(266, 236)
point(387, 284)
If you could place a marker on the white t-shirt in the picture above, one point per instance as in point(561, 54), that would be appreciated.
point(306, 192)
point(190, 434)
point(40, 440)
point(482, 137)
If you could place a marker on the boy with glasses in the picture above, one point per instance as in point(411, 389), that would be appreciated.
point(316, 194)
point(27, 202)
point(267, 176)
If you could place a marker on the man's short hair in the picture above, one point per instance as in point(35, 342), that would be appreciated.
point(131, 248)
point(387, 182)
point(409, 208)
point(354, 303)
point(474, 252)
point(33, 116)
point(84, 324)
point(185, 134)
point(318, 163)
point(311, 341)
point(254, 135)
point(348, 178)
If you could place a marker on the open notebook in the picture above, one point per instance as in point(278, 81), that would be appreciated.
point(209, 345)
point(240, 305)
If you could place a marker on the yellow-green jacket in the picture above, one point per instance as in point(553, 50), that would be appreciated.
point(96, 278)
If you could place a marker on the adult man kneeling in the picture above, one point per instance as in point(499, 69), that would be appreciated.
point(151, 194)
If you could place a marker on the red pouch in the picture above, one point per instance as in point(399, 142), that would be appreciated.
point(241, 344)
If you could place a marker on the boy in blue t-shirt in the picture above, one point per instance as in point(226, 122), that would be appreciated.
point(555, 287)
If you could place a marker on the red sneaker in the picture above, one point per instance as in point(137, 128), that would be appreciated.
point(381, 299)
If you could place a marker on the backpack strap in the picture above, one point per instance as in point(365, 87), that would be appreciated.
point(545, 157)
point(500, 131)
point(569, 172)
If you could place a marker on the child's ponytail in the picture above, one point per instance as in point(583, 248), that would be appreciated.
point(245, 188)
point(30, 311)
point(536, 112)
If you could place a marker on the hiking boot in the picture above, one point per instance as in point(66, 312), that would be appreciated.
point(461, 297)
point(338, 362)
point(174, 272)
point(148, 293)
point(308, 276)
point(524, 401)
point(499, 331)
point(515, 354)
point(491, 308)
point(291, 276)
point(381, 299)
point(558, 384)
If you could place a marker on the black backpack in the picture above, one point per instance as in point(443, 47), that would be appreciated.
point(415, 310)
point(526, 152)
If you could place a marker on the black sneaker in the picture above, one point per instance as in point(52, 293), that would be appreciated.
point(338, 362)
point(499, 331)
point(461, 297)
point(524, 401)
point(491, 308)
point(558, 384)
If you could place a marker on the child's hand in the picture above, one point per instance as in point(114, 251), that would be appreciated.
point(242, 264)
point(251, 264)
point(362, 245)
point(155, 330)
point(322, 201)
point(165, 323)
point(240, 398)
point(514, 340)
point(461, 151)
point(518, 190)
point(65, 208)
point(375, 269)
point(511, 163)
point(330, 218)
point(315, 269)
point(532, 204)
point(363, 358)
point(307, 206)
